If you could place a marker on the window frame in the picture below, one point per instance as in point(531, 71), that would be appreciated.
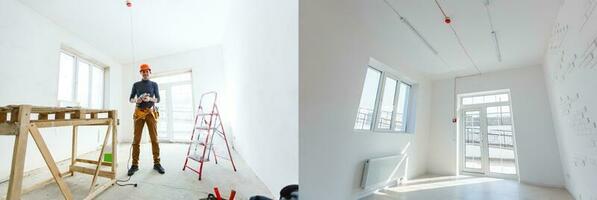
point(379, 98)
point(74, 93)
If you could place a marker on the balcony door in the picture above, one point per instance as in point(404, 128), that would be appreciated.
point(487, 136)
point(176, 107)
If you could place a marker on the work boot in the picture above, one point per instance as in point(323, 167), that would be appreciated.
point(133, 169)
point(159, 168)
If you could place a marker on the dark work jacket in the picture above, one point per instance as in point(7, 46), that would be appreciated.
point(142, 87)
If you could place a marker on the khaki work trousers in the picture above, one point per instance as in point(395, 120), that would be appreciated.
point(149, 116)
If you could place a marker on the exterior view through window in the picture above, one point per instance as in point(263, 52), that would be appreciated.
point(80, 82)
point(175, 107)
point(384, 102)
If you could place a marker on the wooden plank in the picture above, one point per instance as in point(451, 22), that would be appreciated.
point(90, 171)
point(60, 115)
point(45, 152)
point(42, 116)
point(99, 160)
point(79, 114)
point(93, 115)
point(93, 162)
point(73, 157)
point(3, 116)
point(14, 115)
point(8, 128)
point(70, 122)
point(114, 115)
point(18, 153)
point(100, 189)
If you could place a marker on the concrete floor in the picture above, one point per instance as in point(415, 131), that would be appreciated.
point(468, 188)
point(175, 184)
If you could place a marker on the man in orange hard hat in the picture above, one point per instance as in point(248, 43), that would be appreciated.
point(145, 95)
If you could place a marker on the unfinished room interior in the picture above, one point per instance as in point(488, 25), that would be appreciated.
point(447, 99)
point(71, 126)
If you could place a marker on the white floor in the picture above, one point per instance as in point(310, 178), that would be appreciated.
point(468, 188)
point(175, 184)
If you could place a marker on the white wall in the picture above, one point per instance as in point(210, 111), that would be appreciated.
point(536, 144)
point(29, 64)
point(208, 74)
point(337, 38)
point(572, 88)
point(261, 58)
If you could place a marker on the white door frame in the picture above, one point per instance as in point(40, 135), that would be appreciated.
point(170, 111)
point(485, 171)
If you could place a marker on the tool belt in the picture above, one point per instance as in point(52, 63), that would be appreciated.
point(141, 113)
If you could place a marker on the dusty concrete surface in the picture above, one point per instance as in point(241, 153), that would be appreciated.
point(175, 184)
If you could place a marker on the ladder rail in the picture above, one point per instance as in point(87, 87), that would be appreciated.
point(210, 125)
point(225, 139)
point(192, 135)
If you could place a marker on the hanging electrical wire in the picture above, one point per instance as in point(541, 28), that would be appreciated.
point(418, 34)
point(493, 32)
point(129, 4)
point(448, 21)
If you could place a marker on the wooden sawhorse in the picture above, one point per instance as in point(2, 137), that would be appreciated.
point(22, 120)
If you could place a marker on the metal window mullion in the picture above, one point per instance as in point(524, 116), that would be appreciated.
point(170, 134)
point(484, 141)
point(395, 103)
point(103, 88)
point(76, 81)
point(378, 100)
point(90, 85)
point(406, 106)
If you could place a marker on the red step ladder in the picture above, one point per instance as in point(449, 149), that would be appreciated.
point(207, 125)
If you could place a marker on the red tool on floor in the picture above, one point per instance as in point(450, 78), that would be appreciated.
point(208, 124)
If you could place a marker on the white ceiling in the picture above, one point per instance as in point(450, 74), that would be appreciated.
point(523, 28)
point(161, 27)
point(164, 27)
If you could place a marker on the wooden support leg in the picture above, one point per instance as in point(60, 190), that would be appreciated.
point(73, 158)
point(114, 116)
point(43, 148)
point(18, 154)
point(99, 160)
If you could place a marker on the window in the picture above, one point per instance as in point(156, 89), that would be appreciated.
point(384, 103)
point(368, 98)
point(494, 98)
point(80, 82)
point(175, 106)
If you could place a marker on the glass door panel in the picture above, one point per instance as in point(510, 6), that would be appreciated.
point(176, 107)
point(500, 141)
point(182, 111)
point(164, 114)
point(472, 141)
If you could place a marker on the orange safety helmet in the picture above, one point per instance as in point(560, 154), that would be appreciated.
point(144, 67)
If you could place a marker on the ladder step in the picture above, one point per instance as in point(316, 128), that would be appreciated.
point(204, 128)
point(198, 142)
point(197, 158)
point(207, 114)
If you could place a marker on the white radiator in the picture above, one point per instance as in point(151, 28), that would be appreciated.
point(380, 171)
